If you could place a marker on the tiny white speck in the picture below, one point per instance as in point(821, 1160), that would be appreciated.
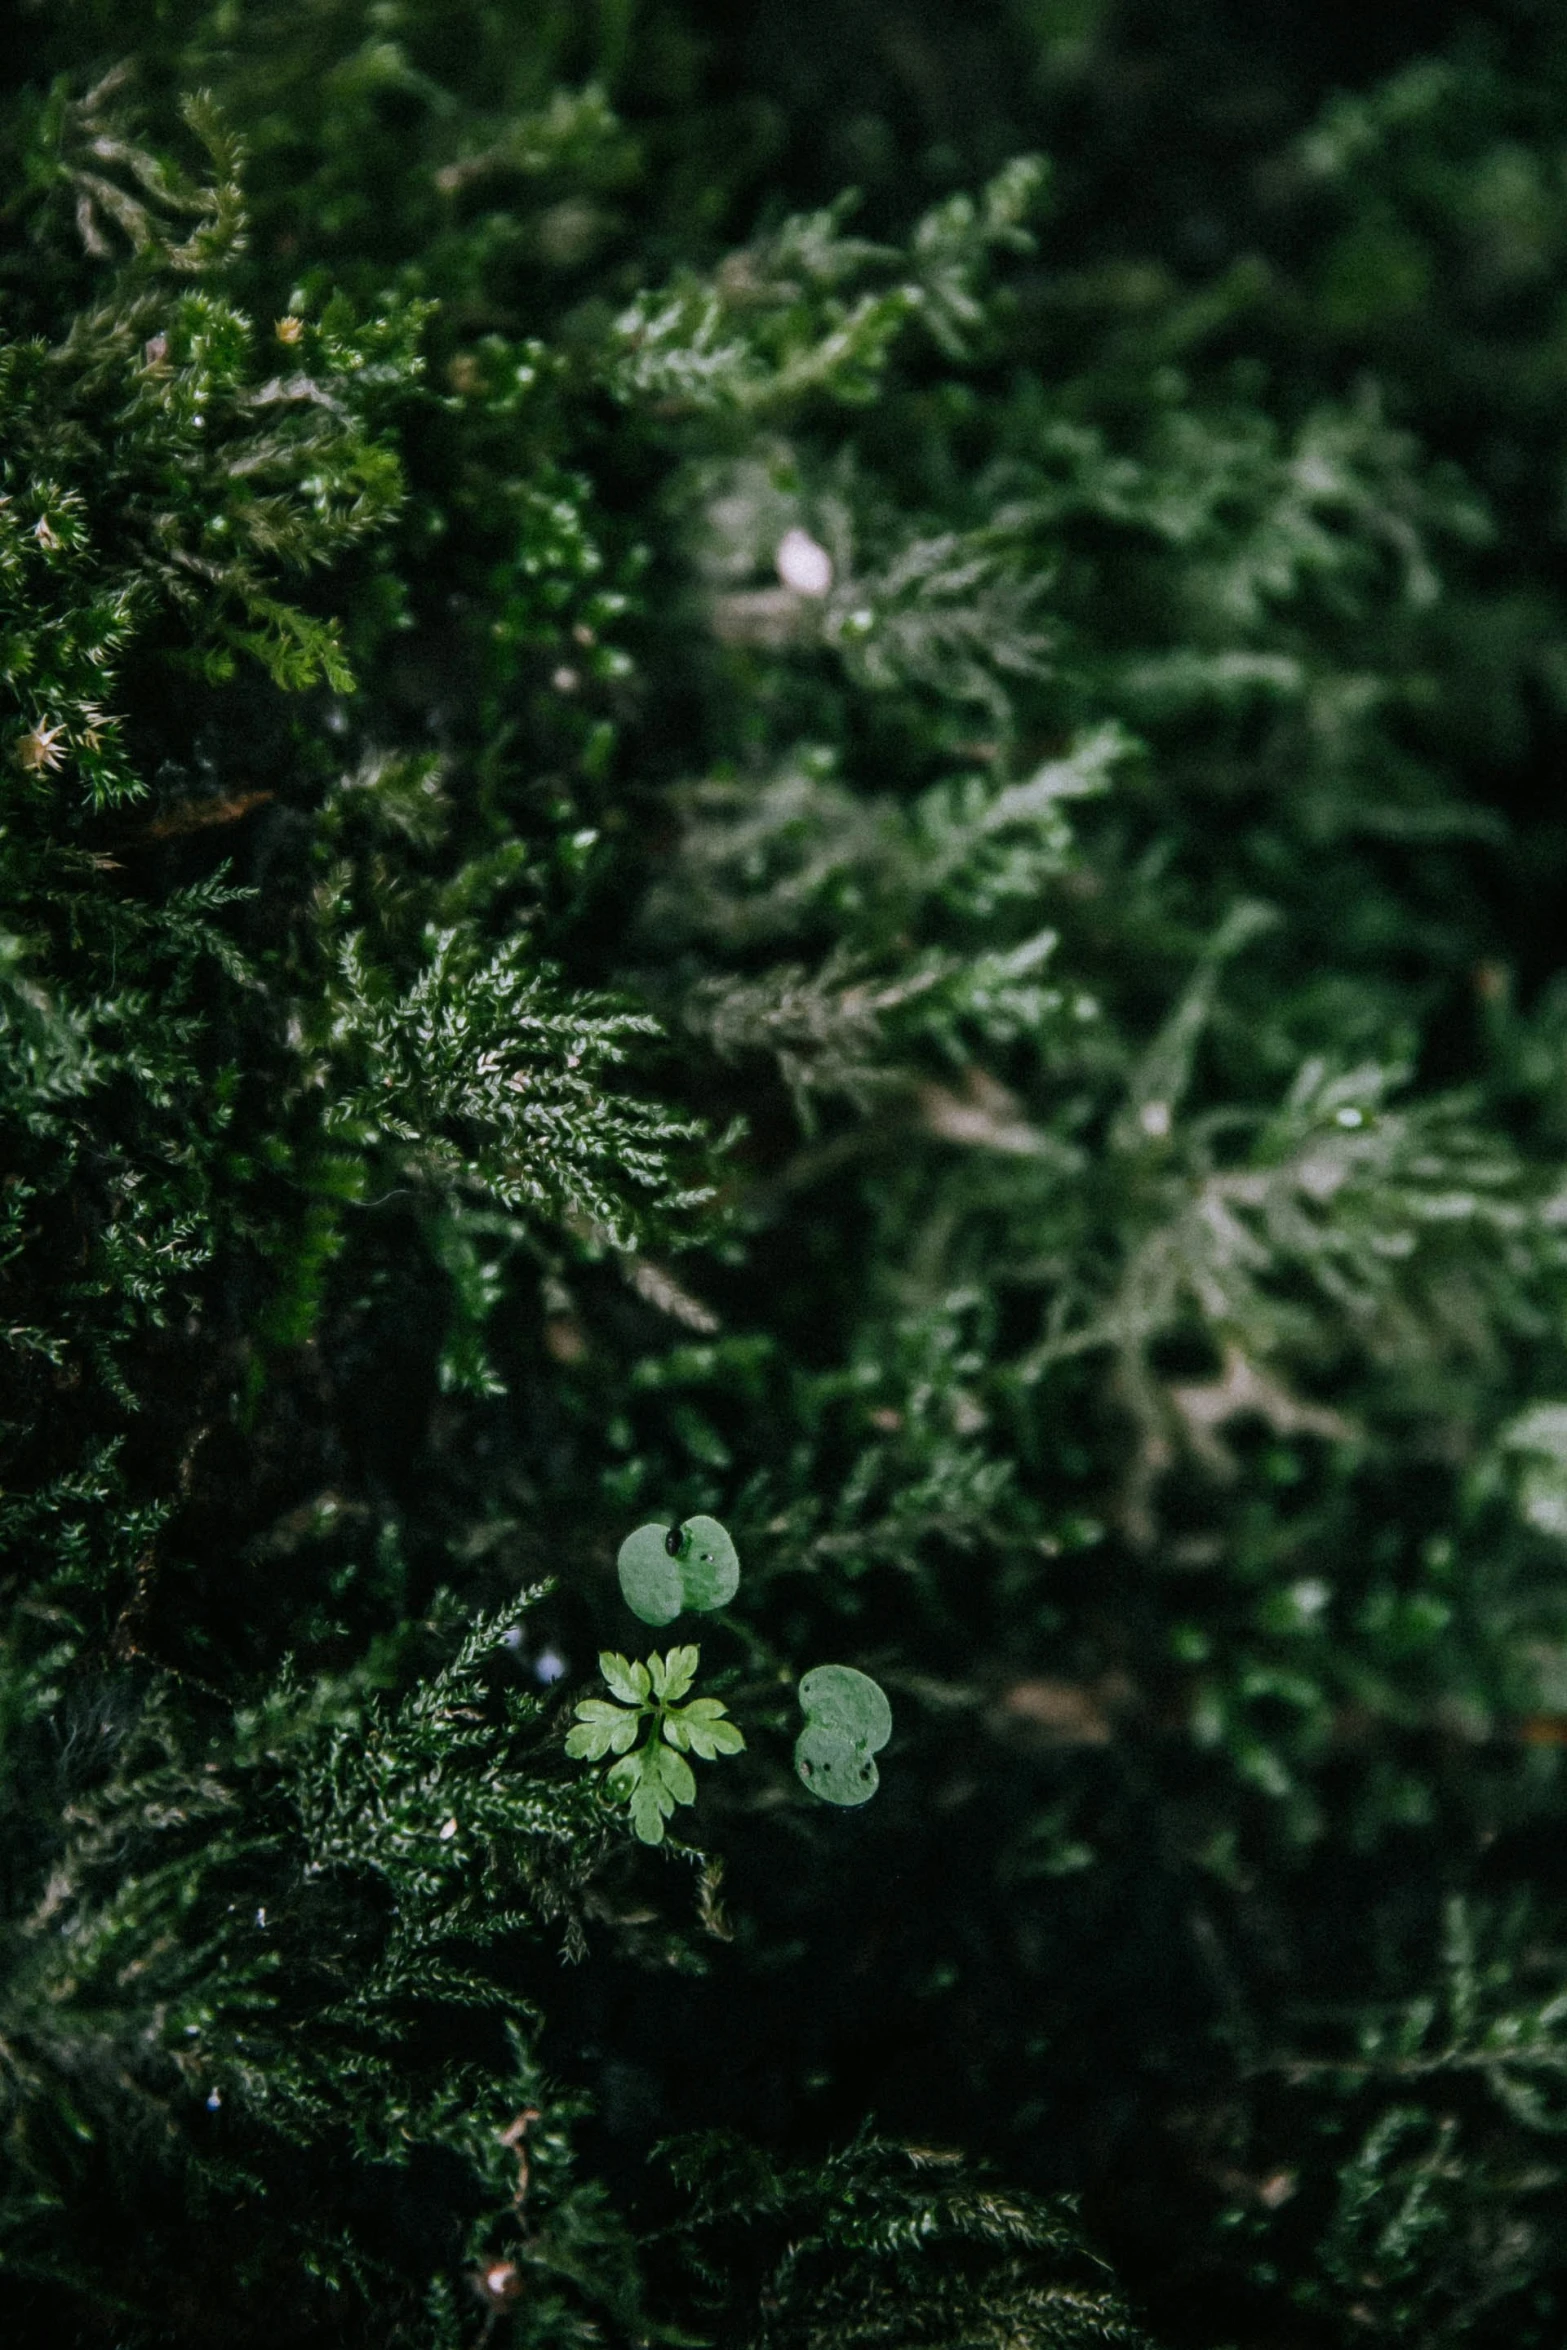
point(261, 1917)
point(1154, 1119)
point(449, 1831)
point(803, 564)
point(548, 1666)
point(214, 2100)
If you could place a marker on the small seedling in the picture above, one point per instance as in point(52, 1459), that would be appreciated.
point(652, 1778)
point(664, 1569)
point(847, 1722)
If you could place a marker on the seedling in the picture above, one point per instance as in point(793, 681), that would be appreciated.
point(847, 1722)
point(652, 1777)
point(665, 1569)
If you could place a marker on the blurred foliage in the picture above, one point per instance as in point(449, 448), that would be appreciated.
point(673, 846)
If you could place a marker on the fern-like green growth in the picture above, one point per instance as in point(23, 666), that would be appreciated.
point(887, 2247)
point(653, 1777)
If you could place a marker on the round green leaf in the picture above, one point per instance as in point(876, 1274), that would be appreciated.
point(650, 1580)
point(836, 1768)
point(704, 1573)
point(850, 1704)
point(709, 1564)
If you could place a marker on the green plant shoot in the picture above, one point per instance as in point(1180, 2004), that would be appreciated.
point(653, 1777)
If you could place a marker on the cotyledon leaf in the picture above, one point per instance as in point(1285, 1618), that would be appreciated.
point(650, 1580)
point(847, 1718)
point(664, 1569)
point(849, 1702)
point(709, 1564)
point(836, 1768)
